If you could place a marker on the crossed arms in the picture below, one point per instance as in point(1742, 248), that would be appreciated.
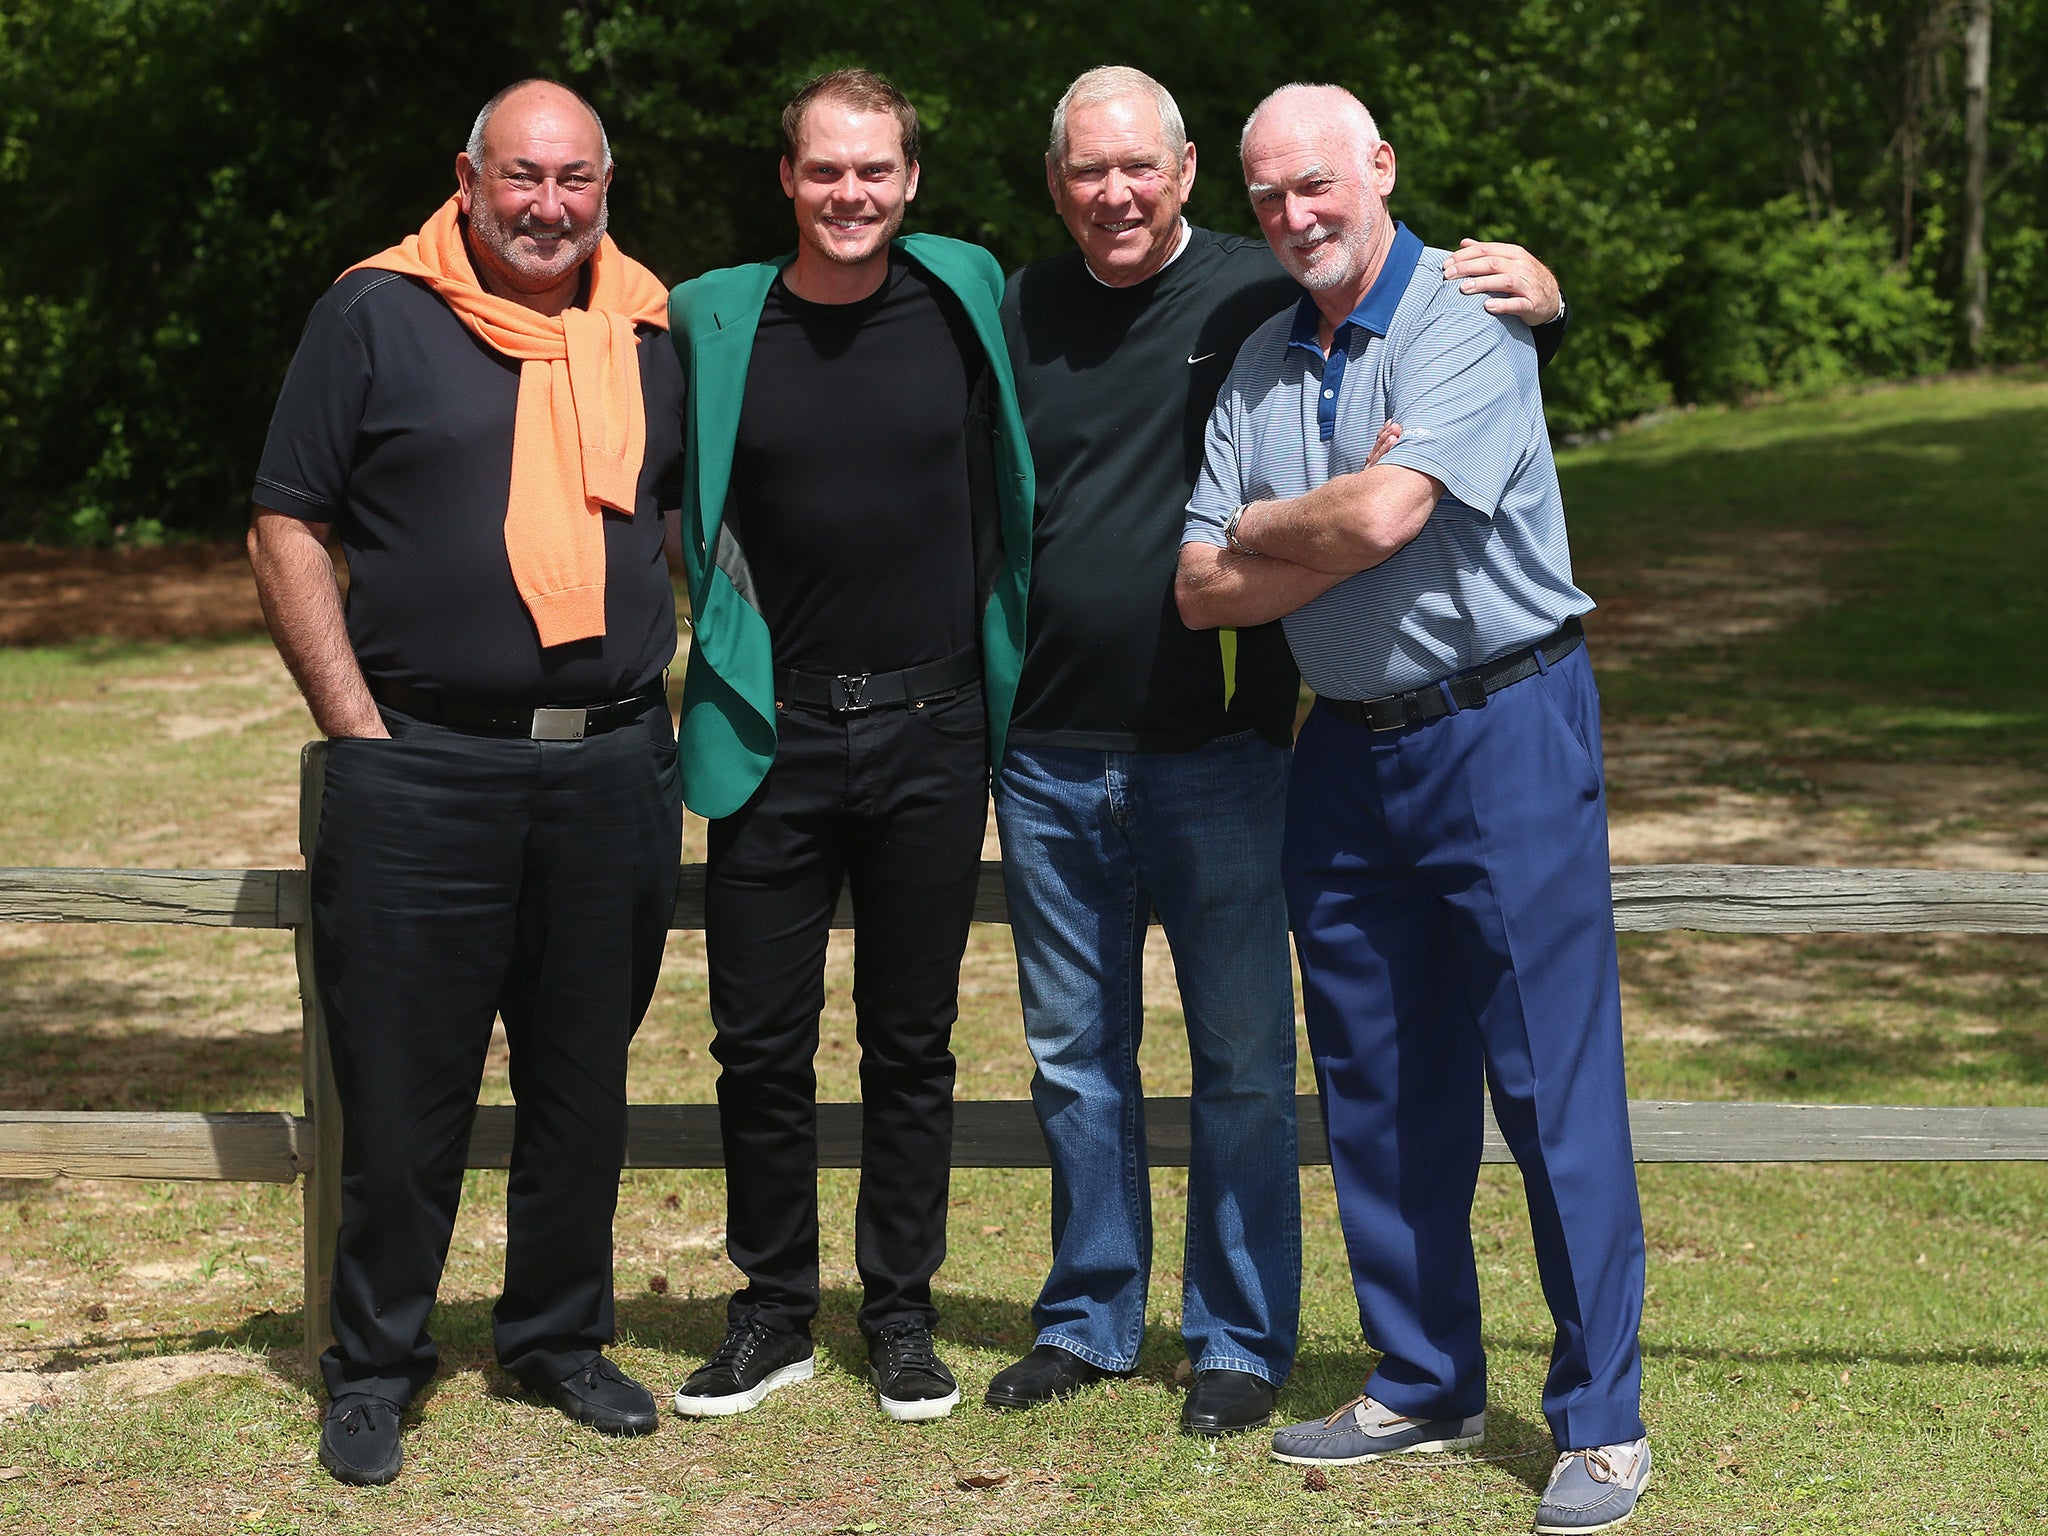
point(1303, 546)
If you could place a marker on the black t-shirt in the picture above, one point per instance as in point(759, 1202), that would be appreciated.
point(1116, 386)
point(395, 424)
point(850, 481)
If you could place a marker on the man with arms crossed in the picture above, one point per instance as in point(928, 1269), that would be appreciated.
point(1446, 848)
point(856, 534)
point(489, 418)
point(1148, 767)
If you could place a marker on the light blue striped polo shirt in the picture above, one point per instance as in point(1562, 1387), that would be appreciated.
point(1490, 571)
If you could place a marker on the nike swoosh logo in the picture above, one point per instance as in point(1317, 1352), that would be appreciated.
point(1202, 359)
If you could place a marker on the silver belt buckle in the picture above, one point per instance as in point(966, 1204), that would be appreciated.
point(559, 724)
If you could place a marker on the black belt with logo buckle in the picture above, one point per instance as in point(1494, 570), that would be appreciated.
point(1395, 711)
point(547, 723)
point(854, 693)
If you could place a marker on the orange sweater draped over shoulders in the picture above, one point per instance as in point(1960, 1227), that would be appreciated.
point(580, 433)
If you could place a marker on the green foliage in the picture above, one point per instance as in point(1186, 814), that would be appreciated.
point(184, 176)
point(1739, 197)
point(1773, 299)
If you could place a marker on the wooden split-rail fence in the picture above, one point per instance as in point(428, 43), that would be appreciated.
point(280, 1147)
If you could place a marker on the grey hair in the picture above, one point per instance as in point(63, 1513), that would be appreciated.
point(1113, 82)
point(1349, 114)
point(475, 147)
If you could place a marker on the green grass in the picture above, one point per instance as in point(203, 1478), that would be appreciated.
point(1826, 1348)
point(1922, 510)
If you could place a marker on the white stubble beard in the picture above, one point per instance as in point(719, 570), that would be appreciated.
point(1350, 248)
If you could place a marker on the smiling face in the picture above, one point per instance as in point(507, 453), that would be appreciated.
point(850, 184)
point(1119, 188)
point(1320, 196)
point(536, 202)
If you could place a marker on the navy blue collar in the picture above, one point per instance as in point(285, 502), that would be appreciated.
point(1375, 312)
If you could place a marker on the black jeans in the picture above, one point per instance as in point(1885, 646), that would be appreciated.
point(893, 802)
point(458, 877)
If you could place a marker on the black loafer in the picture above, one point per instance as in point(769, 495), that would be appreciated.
point(359, 1440)
point(604, 1397)
point(1046, 1375)
point(1226, 1403)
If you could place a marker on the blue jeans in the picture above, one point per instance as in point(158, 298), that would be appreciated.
point(1091, 842)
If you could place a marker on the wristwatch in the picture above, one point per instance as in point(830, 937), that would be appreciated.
point(1230, 531)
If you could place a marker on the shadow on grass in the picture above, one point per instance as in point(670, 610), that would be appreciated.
point(85, 1046)
point(145, 1069)
point(1838, 1018)
point(1932, 595)
point(1802, 1062)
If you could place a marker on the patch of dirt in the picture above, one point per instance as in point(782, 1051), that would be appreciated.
point(180, 592)
point(1684, 793)
point(1720, 592)
point(25, 1391)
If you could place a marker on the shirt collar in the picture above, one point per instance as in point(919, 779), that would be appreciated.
point(1375, 312)
point(1178, 246)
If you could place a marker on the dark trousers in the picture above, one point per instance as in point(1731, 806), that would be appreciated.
point(892, 803)
point(458, 877)
point(1454, 914)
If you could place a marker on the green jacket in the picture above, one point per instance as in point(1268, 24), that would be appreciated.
point(727, 735)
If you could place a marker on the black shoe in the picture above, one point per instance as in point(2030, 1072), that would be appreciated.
point(1046, 1375)
point(604, 1397)
point(752, 1362)
point(911, 1381)
point(359, 1440)
point(1226, 1403)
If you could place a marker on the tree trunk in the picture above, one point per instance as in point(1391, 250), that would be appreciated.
point(1976, 113)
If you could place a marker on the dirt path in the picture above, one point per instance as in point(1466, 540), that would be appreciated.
point(184, 592)
point(1673, 799)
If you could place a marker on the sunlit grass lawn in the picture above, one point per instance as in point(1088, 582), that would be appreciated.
point(1827, 1348)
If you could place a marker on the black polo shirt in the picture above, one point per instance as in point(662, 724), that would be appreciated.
point(395, 425)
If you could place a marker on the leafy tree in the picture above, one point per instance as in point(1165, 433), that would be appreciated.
point(1740, 197)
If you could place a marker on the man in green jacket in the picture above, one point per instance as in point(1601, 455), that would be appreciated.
point(856, 535)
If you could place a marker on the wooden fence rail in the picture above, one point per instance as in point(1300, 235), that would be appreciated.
point(277, 1147)
point(1714, 898)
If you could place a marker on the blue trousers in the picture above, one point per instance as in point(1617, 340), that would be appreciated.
point(1450, 894)
point(1091, 841)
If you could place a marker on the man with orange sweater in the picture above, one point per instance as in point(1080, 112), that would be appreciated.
point(488, 417)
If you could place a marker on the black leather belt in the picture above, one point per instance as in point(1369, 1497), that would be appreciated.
point(548, 723)
point(1394, 711)
point(851, 693)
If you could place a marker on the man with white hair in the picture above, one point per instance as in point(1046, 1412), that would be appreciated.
point(1147, 770)
point(1446, 855)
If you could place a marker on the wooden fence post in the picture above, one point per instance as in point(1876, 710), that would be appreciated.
point(316, 1068)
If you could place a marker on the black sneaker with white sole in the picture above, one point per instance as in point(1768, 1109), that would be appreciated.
point(911, 1381)
point(752, 1362)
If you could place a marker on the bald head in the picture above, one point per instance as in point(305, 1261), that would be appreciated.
point(547, 95)
point(1328, 109)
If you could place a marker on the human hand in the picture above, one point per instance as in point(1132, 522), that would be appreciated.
point(1390, 434)
point(1521, 285)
